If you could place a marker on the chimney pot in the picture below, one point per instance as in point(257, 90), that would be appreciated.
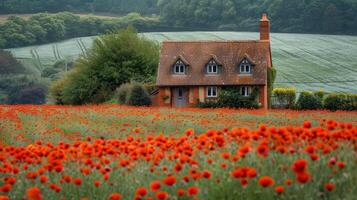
point(264, 27)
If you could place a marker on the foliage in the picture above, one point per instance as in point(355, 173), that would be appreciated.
point(340, 101)
point(9, 65)
point(138, 96)
point(116, 58)
point(309, 101)
point(271, 76)
point(34, 94)
point(231, 97)
point(44, 27)
point(285, 96)
point(122, 93)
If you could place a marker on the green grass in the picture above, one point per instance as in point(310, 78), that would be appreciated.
point(303, 61)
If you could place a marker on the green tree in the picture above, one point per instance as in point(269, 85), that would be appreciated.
point(116, 58)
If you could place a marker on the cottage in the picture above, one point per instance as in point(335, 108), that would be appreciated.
point(195, 71)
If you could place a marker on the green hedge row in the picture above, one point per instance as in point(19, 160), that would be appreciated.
point(314, 100)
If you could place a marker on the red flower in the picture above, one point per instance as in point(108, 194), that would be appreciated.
point(193, 190)
point(155, 185)
point(206, 174)
point(77, 181)
point(303, 177)
point(162, 195)
point(329, 186)
point(43, 179)
point(3, 197)
point(266, 181)
point(180, 192)
point(114, 196)
point(299, 166)
point(34, 194)
point(341, 165)
point(141, 191)
point(170, 180)
point(306, 124)
point(279, 189)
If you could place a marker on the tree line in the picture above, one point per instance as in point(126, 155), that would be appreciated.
point(309, 16)
point(45, 28)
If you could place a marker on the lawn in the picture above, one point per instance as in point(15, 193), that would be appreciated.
point(303, 61)
point(110, 151)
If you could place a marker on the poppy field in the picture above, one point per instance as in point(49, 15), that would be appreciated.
point(117, 152)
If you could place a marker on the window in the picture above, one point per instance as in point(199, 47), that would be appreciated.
point(212, 91)
point(245, 91)
point(212, 67)
point(179, 67)
point(245, 67)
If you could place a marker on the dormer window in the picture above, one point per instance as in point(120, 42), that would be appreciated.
point(212, 67)
point(179, 67)
point(245, 67)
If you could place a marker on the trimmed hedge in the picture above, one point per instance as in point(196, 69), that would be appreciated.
point(285, 97)
point(340, 101)
point(309, 101)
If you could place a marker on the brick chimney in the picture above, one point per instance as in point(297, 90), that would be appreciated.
point(264, 27)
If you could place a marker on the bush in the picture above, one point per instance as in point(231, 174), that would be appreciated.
point(231, 98)
point(309, 101)
point(285, 96)
point(133, 94)
point(336, 101)
point(123, 93)
point(35, 94)
point(138, 96)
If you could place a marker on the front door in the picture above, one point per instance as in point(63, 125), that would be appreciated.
point(180, 97)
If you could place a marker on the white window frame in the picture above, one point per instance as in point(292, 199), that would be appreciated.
point(179, 68)
point(245, 91)
point(212, 67)
point(212, 91)
point(244, 65)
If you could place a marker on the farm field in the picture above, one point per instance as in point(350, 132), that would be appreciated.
point(118, 152)
point(306, 62)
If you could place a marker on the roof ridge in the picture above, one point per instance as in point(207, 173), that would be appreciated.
point(213, 41)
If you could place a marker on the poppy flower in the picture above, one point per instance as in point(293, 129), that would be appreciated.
point(141, 191)
point(170, 180)
point(34, 193)
point(3, 197)
point(266, 181)
point(329, 186)
point(180, 192)
point(77, 181)
point(279, 189)
point(303, 177)
point(114, 196)
point(155, 185)
point(206, 174)
point(299, 166)
point(162, 195)
point(193, 190)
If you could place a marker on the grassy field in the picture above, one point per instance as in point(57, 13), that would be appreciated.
point(306, 62)
point(115, 152)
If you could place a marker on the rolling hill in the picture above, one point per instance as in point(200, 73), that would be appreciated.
point(303, 61)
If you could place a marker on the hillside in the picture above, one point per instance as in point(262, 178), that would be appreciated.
point(303, 61)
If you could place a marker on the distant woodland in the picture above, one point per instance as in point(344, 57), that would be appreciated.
point(297, 16)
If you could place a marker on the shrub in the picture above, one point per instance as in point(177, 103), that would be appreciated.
point(231, 98)
point(138, 96)
point(309, 101)
point(35, 94)
point(285, 96)
point(123, 92)
point(133, 94)
point(336, 101)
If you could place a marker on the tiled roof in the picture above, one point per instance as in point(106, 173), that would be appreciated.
point(227, 53)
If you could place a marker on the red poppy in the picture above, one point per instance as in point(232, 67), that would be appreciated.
point(155, 185)
point(170, 180)
point(303, 177)
point(329, 186)
point(34, 193)
point(193, 190)
point(279, 189)
point(299, 166)
point(266, 181)
point(180, 192)
point(141, 191)
point(162, 195)
point(114, 196)
point(77, 181)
